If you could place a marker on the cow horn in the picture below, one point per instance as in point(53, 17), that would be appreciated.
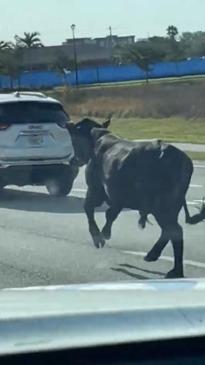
point(106, 123)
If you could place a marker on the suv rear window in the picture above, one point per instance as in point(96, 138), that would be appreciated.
point(32, 112)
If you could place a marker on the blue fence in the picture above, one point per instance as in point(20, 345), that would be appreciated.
point(104, 74)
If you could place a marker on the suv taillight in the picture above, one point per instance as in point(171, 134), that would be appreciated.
point(3, 126)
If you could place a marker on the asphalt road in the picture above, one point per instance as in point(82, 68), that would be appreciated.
point(45, 240)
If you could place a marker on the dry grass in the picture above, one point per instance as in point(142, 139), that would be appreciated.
point(172, 111)
point(168, 99)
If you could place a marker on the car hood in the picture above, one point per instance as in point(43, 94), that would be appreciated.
point(59, 317)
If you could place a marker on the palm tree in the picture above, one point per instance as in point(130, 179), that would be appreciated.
point(30, 40)
point(5, 45)
point(172, 32)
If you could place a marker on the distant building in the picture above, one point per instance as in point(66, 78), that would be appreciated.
point(79, 41)
point(106, 42)
point(142, 39)
point(45, 57)
point(90, 52)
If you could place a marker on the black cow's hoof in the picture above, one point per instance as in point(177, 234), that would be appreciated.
point(173, 274)
point(106, 233)
point(99, 241)
point(152, 256)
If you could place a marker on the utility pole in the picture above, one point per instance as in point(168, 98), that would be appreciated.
point(73, 26)
point(110, 31)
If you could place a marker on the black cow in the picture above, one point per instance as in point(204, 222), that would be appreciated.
point(150, 177)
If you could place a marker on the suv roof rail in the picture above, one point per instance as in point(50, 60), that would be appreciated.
point(18, 94)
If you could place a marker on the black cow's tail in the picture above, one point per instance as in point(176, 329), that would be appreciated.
point(197, 217)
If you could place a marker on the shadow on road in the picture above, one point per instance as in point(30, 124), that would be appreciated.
point(129, 273)
point(41, 202)
point(124, 269)
point(140, 269)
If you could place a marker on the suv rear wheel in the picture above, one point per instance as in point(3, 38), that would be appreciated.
point(57, 187)
point(62, 185)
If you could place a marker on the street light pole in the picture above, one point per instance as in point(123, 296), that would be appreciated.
point(75, 55)
point(110, 31)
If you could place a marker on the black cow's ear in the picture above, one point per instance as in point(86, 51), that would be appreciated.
point(106, 123)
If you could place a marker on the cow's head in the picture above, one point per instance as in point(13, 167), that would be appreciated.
point(82, 137)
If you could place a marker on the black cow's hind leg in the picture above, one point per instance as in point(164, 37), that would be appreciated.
point(111, 215)
point(157, 249)
point(170, 231)
point(178, 247)
point(94, 199)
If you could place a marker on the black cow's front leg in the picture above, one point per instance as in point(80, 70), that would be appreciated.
point(111, 215)
point(94, 199)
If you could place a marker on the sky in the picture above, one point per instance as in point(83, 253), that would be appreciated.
point(142, 18)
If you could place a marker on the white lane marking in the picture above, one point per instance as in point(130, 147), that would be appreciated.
point(84, 190)
point(80, 190)
point(195, 202)
point(200, 166)
point(196, 186)
point(166, 258)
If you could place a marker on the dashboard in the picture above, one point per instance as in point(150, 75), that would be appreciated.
point(182, 351)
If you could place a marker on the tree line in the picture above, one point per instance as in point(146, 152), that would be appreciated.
point(11, 55)
point(171, 47)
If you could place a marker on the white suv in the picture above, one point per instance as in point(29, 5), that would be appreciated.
point(35, 146)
